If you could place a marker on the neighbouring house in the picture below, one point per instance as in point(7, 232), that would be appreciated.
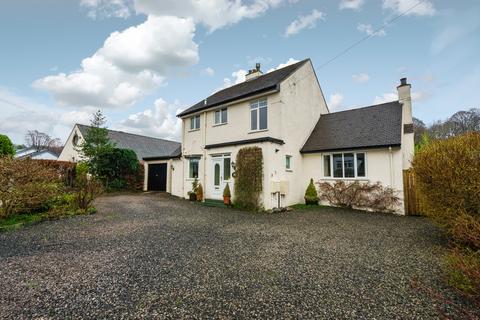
point(34, 153)
point(144, 147)
point(284, 112)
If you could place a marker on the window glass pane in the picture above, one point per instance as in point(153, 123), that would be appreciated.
point(224, 116)
point(253, 104)
point(263, 118)
point(262, 103)
point(253, 118)
point(287, 162)
point(217, 117)
point(217, 174)
point(193, 172)
point(197, 122)
point(192, 123)
point(349, 167)
point(226, 168)
point(361, 164)
point(337, 166)
point(326, 166)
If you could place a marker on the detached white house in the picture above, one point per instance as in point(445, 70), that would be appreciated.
point(285, 114)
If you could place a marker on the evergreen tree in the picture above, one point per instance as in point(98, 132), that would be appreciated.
point(6, 146)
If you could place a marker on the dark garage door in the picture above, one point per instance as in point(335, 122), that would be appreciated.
point(157, 177)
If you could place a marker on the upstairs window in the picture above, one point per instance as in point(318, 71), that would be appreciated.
point(258, 115)
point(221, 116)
point(344, 165)
point(195, 122)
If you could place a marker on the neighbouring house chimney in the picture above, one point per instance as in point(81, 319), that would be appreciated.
point(254, 73)
point(407, 140)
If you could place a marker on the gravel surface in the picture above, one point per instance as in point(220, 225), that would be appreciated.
point(154, 256)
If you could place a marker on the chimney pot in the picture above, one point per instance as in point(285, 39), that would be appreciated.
point(257, 66)
point(403, 81)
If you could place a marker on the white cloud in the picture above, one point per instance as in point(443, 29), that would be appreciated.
point(391, 96)
point(130, 64)
point(335, 101)
point(361, 77)
point(351, 4)
point(107, 8)
point(303, 22)
point(158, 121)
point(214, 14)
point(209, 71)
point(282, 65)
point(368, 29)
point(454, 32)
point(425, 8)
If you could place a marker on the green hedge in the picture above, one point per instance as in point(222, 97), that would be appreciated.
point(248, 178)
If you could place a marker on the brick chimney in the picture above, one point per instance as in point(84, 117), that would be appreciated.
point(405, 98)
point(254, 73)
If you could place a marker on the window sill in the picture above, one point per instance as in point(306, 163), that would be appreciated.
point(192, 130)
point(288, 170)
point(257, 131)
point(220, 124)
point(347, 179)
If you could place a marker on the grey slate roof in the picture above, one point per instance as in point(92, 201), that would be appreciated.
point(144, 147)
point(263, 83)
point(368, 127)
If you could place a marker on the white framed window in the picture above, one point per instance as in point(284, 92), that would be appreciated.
point(288, 162)
point(344, 165)
point(221, 116)
point(195, 122)
point(193, 167)
point(258, 115)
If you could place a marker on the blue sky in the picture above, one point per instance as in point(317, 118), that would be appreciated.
point(141, 61)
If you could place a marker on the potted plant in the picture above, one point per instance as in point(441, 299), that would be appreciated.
point(311, 195)
point(192, 195)
point(227, 195)
point(199, 192)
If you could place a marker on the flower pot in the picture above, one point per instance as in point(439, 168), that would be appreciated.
point(226, 201)
point(192, 197)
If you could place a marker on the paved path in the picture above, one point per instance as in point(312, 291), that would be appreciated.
point(155, 256)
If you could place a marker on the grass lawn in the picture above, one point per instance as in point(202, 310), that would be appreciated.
point(17, 221)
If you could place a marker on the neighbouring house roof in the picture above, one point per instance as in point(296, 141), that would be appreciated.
point(375, 126)
point(35, 154)
point(143, 146)
point(261, 84)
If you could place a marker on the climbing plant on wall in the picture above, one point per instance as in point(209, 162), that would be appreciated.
point(248, 178)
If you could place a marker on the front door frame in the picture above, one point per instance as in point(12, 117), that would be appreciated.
point(217, 185)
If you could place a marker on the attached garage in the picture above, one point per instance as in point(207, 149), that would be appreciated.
point(157, 177)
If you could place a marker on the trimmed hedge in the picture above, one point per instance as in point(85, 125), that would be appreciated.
point(248, 178)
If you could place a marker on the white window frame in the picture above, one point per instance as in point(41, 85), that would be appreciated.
point(255, 106)
point(220, 113)
point(193, 122)
point(343, 165)
point(190, 175)
point(288, 164)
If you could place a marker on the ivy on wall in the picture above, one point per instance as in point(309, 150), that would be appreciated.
point(248, 178)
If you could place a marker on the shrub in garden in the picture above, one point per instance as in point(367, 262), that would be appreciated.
point(6, 146)
point(193, 193)
point(118, 168)
point(357, 194)
point(26, 185)
point(447, 174)
point(87, 188)
point(311, 196)
point(248, 178)
point(199, 192)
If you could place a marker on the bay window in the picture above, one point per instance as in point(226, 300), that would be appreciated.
point(344, 165)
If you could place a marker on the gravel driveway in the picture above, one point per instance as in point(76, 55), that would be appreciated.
point(155, 256)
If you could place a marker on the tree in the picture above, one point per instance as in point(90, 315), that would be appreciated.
point(41, 141)
point(117, 166)
point(96, 142)
point(6, 146)
point(465, 121)
point(419, 128)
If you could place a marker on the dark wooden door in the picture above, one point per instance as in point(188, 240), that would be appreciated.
point(157, 177)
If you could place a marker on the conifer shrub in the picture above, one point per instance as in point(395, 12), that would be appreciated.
point(311, 195)
point(199, 192)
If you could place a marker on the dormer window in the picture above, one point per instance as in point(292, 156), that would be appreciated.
point(195, 122)
point(258, 115)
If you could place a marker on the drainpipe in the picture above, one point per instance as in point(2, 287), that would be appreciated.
point(204, 154)
point(392, 181)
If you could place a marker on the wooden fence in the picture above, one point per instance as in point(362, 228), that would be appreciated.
point(411, 194)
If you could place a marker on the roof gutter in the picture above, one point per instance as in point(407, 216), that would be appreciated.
point(162, 158)
point(351, 148)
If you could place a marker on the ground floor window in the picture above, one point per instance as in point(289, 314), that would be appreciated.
point(193, 168)
point(288, 162)
point(344, 165)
